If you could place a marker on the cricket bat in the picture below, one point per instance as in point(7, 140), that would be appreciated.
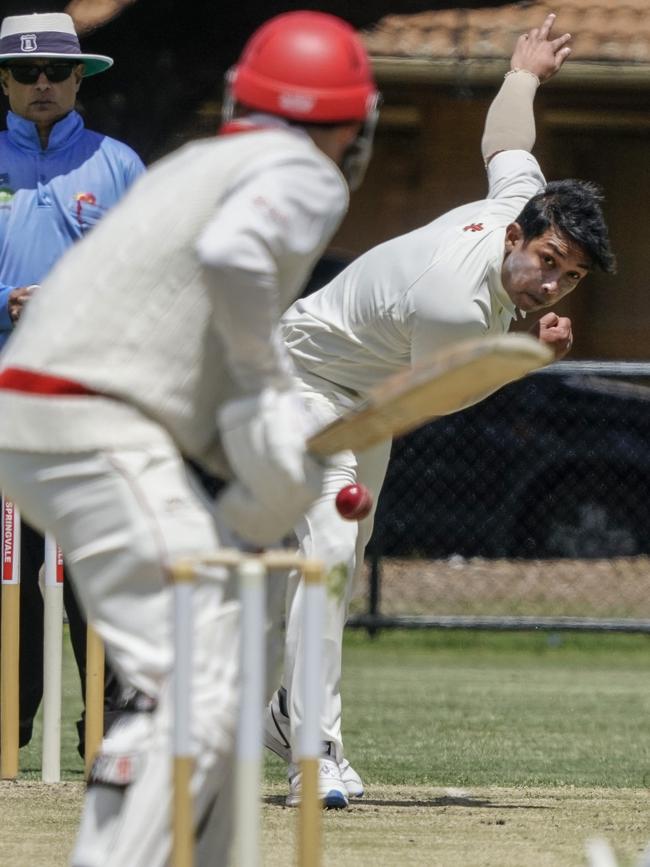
point(445, 382)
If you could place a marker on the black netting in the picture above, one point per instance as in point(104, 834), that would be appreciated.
point(534, 502)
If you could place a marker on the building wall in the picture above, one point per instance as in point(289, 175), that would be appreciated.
point(427, 160)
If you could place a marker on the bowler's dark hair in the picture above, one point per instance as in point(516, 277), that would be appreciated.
point(573, 209)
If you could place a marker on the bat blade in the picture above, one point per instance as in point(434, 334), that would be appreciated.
point(443, 383)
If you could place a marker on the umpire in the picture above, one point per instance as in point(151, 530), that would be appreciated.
point(56, 180)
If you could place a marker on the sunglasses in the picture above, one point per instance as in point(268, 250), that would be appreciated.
point(54, 72)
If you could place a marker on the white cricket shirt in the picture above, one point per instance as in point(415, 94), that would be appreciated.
point(418, 292)
point(170, 306)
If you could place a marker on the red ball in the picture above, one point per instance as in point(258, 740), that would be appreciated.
point(354, 502)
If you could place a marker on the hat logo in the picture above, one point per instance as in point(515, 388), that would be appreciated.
point(28, 42)
point(300, 103)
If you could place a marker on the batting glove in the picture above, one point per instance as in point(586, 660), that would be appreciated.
point(276, 479)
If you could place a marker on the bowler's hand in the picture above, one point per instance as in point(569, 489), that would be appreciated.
point(538, 53)
point(88, 15)
point(555, 331)
point(17, 300)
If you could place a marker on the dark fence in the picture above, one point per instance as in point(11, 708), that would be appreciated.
point(530, 509)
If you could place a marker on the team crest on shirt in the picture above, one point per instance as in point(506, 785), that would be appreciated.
point(81, 199)
point(28, 42)
point(474, 227)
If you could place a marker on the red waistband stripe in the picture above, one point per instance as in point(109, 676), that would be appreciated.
point(32, 382)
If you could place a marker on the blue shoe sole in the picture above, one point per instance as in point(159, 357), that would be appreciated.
point(335, 800)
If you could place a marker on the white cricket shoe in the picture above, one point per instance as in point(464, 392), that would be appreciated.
point(352, 780)
point(277, 734)
point(331, 788)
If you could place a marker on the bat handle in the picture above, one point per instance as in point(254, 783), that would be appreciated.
point(354, 502)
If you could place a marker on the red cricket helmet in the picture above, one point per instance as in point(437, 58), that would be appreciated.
point(309, 67)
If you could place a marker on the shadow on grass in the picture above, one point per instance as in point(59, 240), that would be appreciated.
point(446, 801)
point(443, 801)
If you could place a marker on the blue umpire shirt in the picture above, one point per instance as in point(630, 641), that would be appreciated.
point(51, 198)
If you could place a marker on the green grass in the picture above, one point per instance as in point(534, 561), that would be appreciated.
point(471, 708)
point(463, 708)
point(477, 749)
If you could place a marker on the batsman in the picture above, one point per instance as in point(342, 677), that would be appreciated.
point(466, 275)
point(152, 341)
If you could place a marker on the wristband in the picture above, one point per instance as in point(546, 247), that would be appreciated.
point(527, 71)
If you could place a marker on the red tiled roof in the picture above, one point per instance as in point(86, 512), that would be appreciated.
point(604, 30)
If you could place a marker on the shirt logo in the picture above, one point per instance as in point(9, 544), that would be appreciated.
point(474, 227)
point(28, 42)
point(82, 199)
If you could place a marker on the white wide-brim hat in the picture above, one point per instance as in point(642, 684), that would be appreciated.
point(51, 35)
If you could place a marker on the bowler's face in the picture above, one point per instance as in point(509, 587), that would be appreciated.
point(539, 273)
point(44, 102)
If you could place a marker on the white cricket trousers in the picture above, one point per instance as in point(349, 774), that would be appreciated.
point(121, 518)
point(340, 545)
